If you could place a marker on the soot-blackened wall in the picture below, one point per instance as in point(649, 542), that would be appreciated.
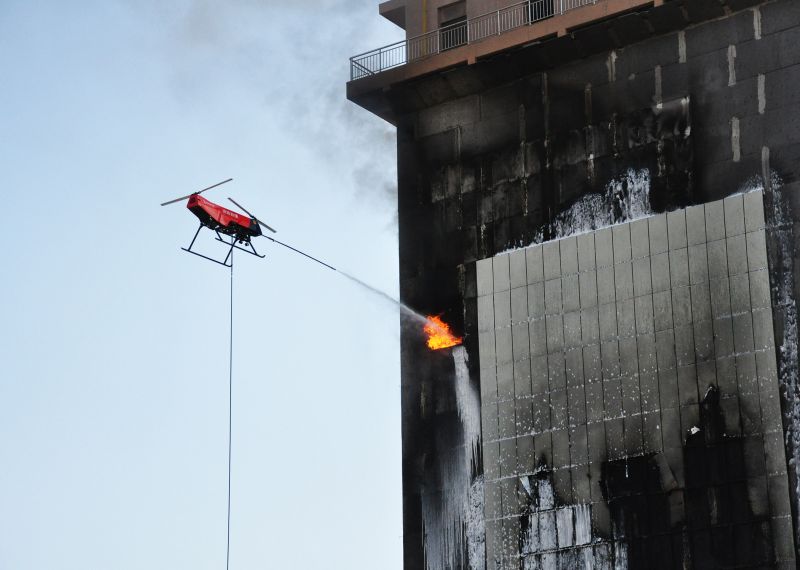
point(487, 164)
point(637, 365)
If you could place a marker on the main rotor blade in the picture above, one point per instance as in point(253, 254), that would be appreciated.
point(251, 215)
point(177, 200)
point(274, 231)
point(198, 192)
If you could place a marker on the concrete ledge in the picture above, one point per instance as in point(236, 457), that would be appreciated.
point(545, 45)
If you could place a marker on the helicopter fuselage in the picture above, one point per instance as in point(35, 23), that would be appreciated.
point(223, 220)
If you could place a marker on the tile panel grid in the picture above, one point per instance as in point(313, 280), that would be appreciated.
point(604, 345)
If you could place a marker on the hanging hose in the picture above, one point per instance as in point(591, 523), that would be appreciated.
point(230, 422)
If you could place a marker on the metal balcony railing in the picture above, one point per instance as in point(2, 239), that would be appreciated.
point(459, 34)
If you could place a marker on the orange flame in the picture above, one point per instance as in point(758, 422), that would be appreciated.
point(439, 335)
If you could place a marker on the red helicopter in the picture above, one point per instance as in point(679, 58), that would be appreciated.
point(222, 221)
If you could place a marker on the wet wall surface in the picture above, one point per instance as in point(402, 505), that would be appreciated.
point(493, 160)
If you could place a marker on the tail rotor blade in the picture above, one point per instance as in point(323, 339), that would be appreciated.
point(198, 192)
point(242, 208)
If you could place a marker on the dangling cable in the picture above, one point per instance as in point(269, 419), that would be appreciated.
point(230, 422)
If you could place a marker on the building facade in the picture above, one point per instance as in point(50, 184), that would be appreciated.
point(601, 197)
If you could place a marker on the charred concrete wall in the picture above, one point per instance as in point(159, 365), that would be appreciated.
point(504, 154)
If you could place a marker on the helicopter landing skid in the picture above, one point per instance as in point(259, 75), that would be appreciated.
point(228, 261)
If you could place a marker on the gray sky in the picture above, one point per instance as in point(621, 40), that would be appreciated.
point(113, 397)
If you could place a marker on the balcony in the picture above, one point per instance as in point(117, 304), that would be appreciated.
point(470, 31)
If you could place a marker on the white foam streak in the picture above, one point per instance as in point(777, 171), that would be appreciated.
point(583, 524)
point(469, 406)
point(780, 224)
point(561, 537)
point(454, 520)
point(625, 199)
